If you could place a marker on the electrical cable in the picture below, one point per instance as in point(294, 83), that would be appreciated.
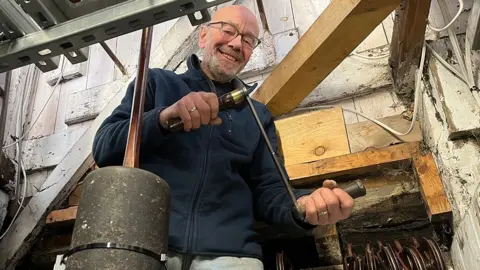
point(382, 125)
point(460, 9)
point(41, 111)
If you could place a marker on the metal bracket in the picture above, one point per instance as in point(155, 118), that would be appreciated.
point(85, 30)
point(199, 17)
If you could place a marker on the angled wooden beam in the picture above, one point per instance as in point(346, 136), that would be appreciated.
point(351, 164)
point(341, 27)
point(473, 27)
point(407, 42)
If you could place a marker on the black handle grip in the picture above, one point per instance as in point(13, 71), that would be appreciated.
point(356, 189)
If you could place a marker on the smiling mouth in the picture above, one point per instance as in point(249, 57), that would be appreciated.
point(229, 57)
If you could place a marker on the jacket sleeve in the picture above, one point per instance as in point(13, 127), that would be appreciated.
point(272, 202)
point(111, 138)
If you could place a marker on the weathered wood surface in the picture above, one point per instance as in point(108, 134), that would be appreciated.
point(392, 210)
point(101, 68)
point(305, 67)
point(473, 26)
point(70, 72)
point(351, 164)
point(436, 18)
point(312, 136)
point(378, 105)
point(459, 106)
point(367, 135)
point(411, 19)
point(87, 104)
point(467, 237)
point(48, 151)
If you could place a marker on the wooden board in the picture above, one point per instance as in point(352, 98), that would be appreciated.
point(433, 192)
point(279, 15)
point(48, 151)
point(460, 108)
point(473, 27)
point(367, 135)
point(87, 104)
point(312, 136)
point(101, 68)
point(407, 42)
point(309, 173)
point(467, 236)
point(378, 105)
point(317, 53)
point(62, 216)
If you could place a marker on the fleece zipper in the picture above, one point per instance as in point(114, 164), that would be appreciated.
point(192, 220)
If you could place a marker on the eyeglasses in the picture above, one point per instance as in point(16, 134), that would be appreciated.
point(230, 32)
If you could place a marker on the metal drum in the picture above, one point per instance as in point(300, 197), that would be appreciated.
point(122, 221)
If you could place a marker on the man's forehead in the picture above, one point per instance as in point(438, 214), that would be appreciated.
point(239, 16)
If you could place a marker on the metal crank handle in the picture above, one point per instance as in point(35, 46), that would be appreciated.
point(355, 190)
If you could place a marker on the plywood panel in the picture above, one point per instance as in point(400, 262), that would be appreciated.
point(313, 136)
point(378, 105)
point(367, 135)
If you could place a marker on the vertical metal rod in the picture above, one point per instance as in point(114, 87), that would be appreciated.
point(114, 58)
point(300, 212)
point(136, 119)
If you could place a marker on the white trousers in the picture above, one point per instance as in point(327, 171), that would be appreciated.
point(176, 261)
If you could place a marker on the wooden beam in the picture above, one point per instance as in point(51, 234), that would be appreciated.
point(356, 163)
point(312, 136)
point(368, 136)
point(438, 206)
point(63, 216)
point(318, 52)
point(407, 41)
point(473, 27)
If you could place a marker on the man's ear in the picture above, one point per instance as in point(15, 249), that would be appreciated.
point(203, 37)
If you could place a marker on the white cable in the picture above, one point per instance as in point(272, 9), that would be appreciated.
point(460, 9)
point(370, 57)
point(41, 111)
point(382, 125)
point(446, 64)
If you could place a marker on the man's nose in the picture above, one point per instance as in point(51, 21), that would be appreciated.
point(236, 43)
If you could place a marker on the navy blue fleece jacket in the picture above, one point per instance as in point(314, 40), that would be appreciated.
point(222, 178)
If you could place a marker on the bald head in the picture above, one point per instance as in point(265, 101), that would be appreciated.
point(239, 14)
point(228, 41)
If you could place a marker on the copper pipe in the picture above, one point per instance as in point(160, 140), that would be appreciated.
point(136, 118)
point(114, 58)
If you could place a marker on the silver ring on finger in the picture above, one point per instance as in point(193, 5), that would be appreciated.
point(323, 213)
point(192, 109)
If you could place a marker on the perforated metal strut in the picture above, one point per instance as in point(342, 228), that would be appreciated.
point(38, 31)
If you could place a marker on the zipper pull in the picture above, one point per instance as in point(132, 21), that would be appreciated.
point(229, 116)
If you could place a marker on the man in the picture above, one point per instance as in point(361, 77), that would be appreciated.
point(219, 169)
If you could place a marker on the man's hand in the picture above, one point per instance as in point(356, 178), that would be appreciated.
point(195, 109)
point(327, 205)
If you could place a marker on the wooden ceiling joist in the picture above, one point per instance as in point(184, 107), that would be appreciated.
point(341, 27)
